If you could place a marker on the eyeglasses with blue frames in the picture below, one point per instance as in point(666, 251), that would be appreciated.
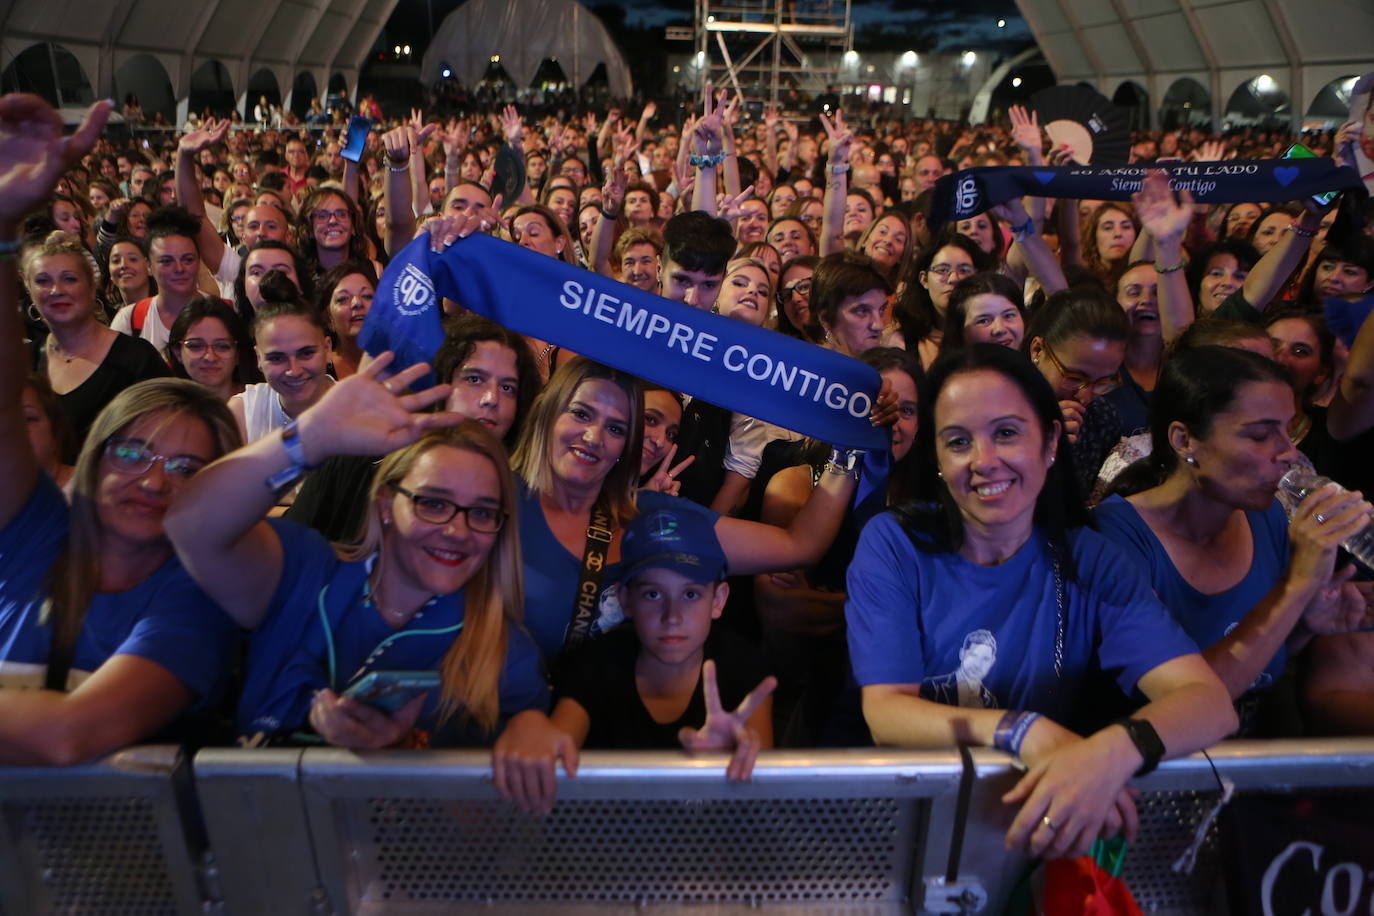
point(439, 511)
point(132, 456)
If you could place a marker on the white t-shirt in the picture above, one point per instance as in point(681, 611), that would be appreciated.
point(154, 331)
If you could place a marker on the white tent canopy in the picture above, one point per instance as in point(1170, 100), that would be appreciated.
point(1219, 45)
point(523, 33)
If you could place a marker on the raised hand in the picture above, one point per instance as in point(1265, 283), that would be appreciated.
point(1025, 129)
point(33, 151)
point(1342, 606)
point(1061, 155)
point(709, 130)
point(665, 478)
point(1160, 214)
point(445, 230)
point(840, 137)
point(511, 127)
point(454, 138)
point(363, 415)
point(725, 730)
point(1211, 151)
point(728, 205)
point(397, 144)
point(650, 109)
point(203, 137)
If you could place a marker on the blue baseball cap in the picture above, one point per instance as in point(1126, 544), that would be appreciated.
point(680, 538)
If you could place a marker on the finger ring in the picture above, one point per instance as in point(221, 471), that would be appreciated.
point(1049, 823)
point(389, 389)
point(1321, 519)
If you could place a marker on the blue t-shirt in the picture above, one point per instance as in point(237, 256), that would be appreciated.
point(289, 654)
point(166, 618)
point(984, 636)
point(1206, 618)
point(552, 573)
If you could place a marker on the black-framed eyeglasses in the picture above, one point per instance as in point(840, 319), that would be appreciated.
point(944, 270)
point(436, 510)
point(132, 456)
point(799, 288)
point(1077, 381)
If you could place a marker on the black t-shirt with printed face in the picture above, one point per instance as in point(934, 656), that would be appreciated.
point(601, 677)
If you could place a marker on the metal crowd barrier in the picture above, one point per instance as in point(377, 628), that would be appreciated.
point(329, 831)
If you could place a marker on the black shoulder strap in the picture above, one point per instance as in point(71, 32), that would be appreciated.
point(589, 576)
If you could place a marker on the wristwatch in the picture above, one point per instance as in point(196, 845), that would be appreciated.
point(1146, 740)
point(286, 478)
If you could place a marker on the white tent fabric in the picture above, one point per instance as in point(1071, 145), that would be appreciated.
point(523, 33)
point(1220, 44)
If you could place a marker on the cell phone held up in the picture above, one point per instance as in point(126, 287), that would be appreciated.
point(388, 691)
point(356, 138)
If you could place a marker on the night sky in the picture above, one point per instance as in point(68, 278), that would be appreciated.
point(932, 24)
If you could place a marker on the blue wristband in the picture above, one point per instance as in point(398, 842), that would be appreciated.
point(1011, 731)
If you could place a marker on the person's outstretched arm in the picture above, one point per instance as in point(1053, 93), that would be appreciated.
point(1166, 220)
point(400, 208)
point(33, 153)
point(836, 184)
point(188, 189)
point(217, 523)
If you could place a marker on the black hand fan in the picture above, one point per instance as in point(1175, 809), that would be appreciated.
point(1097, 131)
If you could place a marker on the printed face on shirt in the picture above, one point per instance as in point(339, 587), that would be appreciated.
point(589, 436)
point(428, 558)
point(1248, 449)
point(293, 354)
point(672, 614)
point(662, 418)
point(176, 262)
point(975, 662)
point(992, 452)
point(209, 353)
point(486, 387)
point(131, 506)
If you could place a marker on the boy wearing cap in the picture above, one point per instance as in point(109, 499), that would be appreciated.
point(664, 679)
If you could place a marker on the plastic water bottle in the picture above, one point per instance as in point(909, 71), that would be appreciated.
point(1295, 487)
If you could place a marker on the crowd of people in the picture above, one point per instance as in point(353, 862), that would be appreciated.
point(223, 522)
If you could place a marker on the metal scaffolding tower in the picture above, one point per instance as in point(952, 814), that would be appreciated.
point(762, 48)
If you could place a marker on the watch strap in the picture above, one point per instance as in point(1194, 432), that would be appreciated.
point(1146, 740)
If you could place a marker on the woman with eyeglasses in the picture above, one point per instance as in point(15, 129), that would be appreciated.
point(209, 344)
point(924, 298)
point(104, 639)
point(794, 296)
point(431, 584)
point(330, 231)
point(1077, 340)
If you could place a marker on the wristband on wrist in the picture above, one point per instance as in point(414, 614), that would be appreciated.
point(609, 215)
point(403, 167)
point(1025, 229)
point(839, 169)
point(845, 462)
point(1168, 270)
point(1011, 730)
point(1302, 233)
point(705, 160)
point(287, 476)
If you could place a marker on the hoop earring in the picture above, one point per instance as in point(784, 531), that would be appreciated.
point(34, 315)
point(1190, 461)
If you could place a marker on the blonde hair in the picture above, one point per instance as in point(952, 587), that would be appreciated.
point(58, 244)
point(739, 264)
point(532, 455)
point(493, 597)
point(76, 574)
